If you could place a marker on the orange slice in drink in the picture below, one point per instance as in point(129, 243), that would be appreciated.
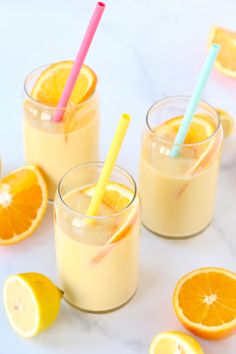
point(201, 128)
point(226, 59)
point(205, 302)
point(118, 197)
point(50, 84)
point(32, 302)
point(23, 201)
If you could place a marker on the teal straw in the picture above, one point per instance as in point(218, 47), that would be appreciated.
point(193, 103)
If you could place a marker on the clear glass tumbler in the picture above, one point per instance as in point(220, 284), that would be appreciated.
point(96, 274)
point(178, 193)
point(57, 147)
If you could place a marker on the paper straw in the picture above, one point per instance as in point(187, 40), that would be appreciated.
point(92, 27)
point(109, 165)
point(194, 101)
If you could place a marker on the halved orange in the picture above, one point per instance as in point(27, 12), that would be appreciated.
point(205, 302)
point(226, 59)
point(23, 201)
point(50, 84)
point(117, 197)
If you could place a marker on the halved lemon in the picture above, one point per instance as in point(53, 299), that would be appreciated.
point(50, 84)
point(174, 342)
point(201, 128)
point(32, 302)
point(205, 302)
point(227, 122)
point(226, 59)
point(117, 197)
point(23, 202)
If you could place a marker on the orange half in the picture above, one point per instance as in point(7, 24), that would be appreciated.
point(49, 86)
point(205, 302)
point(226, 59)
point(23, 201)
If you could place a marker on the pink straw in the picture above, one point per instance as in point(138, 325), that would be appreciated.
point(92, 27)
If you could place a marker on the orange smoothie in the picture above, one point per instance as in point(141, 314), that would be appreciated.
point(57, 147)
point(97, 272)
point(178, 194)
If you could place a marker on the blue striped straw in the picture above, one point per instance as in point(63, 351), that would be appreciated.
point(194, 101)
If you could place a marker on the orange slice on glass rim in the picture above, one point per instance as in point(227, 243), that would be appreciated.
point(227, 122)
point(117, 197)
point(205, 302)
point(50, 84)
point(201, 128)
point(226, 59)
point(23, 201)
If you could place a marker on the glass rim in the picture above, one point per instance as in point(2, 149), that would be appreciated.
point(182, 97)
point(45, 106)
point(121, 170)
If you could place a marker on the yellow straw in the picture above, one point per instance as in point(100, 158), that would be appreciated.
point(109, 164)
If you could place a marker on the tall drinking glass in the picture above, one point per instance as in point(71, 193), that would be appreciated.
point(57, 147)
point(178, 193)
point(97, 257)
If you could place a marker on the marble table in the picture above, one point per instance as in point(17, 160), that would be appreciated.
point(144, 51)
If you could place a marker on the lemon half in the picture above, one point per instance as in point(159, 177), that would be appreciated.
point(174, 342)
point(32, 302)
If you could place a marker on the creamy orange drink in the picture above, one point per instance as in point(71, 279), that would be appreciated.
point(178, 193)
point(58, 146)
point(97, 257)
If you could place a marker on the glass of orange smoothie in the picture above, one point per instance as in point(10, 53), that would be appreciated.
point(178, 193)
point(58, 146)
point(97, 257)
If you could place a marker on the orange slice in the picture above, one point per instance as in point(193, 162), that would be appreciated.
point(226, 59)
point(50, 84)
point(117, 197)
point(201, 128)
point(23, 201)
point(205, 302)
point(174, 342)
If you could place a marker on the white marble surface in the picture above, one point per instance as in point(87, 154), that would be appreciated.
point(143, 51)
